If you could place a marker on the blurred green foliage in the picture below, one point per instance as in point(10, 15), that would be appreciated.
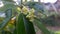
point(23, 24)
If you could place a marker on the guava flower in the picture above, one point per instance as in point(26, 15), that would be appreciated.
point(31, 14)
point(25, 10)
point(19, 9)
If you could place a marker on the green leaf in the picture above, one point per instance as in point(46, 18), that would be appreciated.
point(6, 20)
point(7, 5)
point(29, 26)
point(15, 31)
point(42, 27)
point(20, 25)
point(8, 13)
point(24, 26)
